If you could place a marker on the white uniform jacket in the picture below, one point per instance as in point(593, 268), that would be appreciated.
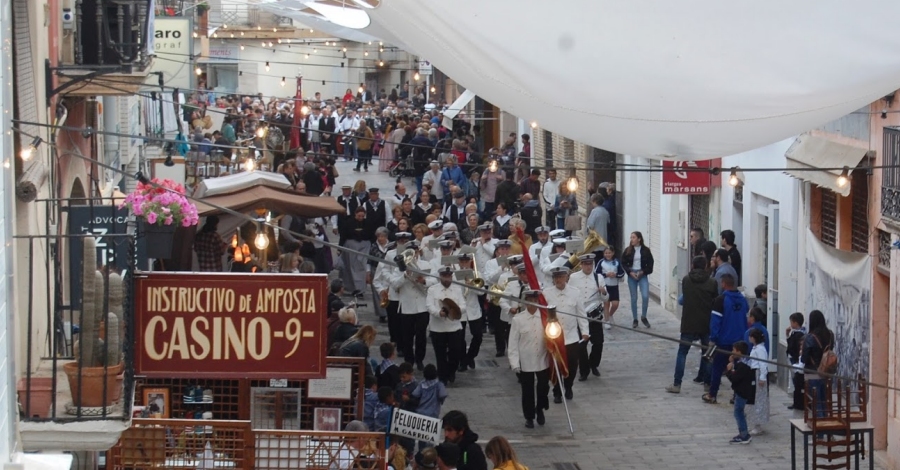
point(383, 275)
point(534, 252)
point(494, 273)
point(412, 297)
point(527, 349)
point(515, 288)
point(484, 252)
point(547, 265)
point(436, 293)
point(588, 290)
point(569, 311)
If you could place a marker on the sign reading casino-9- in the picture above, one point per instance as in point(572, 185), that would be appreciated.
point(222, 325)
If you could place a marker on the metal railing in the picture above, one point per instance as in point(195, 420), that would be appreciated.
point(112, 32)
point(890, 176)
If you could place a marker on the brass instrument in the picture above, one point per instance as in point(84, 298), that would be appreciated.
point(497, 290)
point(406, 262)
point(591, 243)
point(477, 281)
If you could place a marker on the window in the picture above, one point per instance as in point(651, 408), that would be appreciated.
point(890, 180)
point(700, 213)
point(603, 167)
point(548, 149)
point(829, 217)
point(884, 250)
point(859, 220)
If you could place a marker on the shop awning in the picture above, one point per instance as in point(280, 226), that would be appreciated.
point(240, 181)
point(809, 152)
point(456, 107)
point(282, 201)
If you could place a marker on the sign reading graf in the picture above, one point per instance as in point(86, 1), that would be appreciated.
point(223, 325)
point(415, 426)
point(682, 177)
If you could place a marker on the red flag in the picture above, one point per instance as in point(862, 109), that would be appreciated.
point(298, 104)
point(556, 347)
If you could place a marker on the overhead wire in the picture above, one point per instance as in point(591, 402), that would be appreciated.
point(140, 177)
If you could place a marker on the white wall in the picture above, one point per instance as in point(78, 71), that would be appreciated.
point(760, 189)
point(8, 410)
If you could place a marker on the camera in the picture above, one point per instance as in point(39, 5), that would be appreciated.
point(68, 19)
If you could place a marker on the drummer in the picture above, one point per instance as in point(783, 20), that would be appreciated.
point(446, 303)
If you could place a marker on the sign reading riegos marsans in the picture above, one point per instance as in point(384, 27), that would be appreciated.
point(214, 325)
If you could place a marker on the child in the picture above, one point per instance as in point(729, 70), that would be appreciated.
point(762, 296)
point(795, 336)
point(611, 270)
point(758, 355)
point(383, 408)
point(388, 372)
point(406, 386)
point(370, 402)
point(744, 385)
point(431, 394)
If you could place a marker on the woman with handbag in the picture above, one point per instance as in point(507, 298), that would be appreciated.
point(566, 208)
point(638, 263)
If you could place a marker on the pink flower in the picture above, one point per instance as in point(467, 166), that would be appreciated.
point(151, 217)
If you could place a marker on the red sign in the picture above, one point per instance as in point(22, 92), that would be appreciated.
point(222, 325)
point(681, 177)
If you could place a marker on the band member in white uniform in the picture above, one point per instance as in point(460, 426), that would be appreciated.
point(573, 321)
point(472, 318)
point(559, 247)
point(530, 360)
point(437, 229)
point(382, 282)
point(495, 274)
point(547, 250)
point(514, 288)
point(446, 331)
point(445, 248)
point(412, 286)
point(587, 283)
point(534, 252)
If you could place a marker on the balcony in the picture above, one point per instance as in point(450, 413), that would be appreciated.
point(109, 38)
point(75, 391)
point(890, 179)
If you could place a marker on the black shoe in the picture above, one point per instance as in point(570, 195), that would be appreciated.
point(540, 417)
point(499, 354)
point(557, 399)
point(634, 324)
point(529, 423)
point(462, 368)
point(645, 322)
point(595, 371)
point(382, 319)
point(419, 365)
point(472, 363)
point(582, 378)
point(569, 395)
point(698, 380)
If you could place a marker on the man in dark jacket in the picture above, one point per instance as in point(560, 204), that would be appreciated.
point(456, 430)
point(727, 325)
point(508, 192)
point(699, 291)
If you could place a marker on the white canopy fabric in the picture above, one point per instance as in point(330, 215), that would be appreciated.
point(457, 106)
point(240, 181)
point(688, 80)
point(811, 151)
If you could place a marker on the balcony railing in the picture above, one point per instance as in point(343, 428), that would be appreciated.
point(76, 335)
point(112, 32)
point(890, 179)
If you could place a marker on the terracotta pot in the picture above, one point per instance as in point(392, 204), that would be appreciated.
point(41, 396)
point(92, 380)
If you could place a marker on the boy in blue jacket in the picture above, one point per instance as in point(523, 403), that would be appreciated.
point(726, 327)
point(370, 401)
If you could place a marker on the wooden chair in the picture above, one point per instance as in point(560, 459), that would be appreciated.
point(832, 441)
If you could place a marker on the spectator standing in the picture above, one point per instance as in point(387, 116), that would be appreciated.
point(734, 256)
point(598, 218)
point(699, 292)
point(500, 452)
point(452, 174)
point(457, 431)
point(697, 240)
point(566, 205)
point(638, 263)
point(531, 184)
point(743, 383)
point(549, 193)
point(609, 203)
point(726, 327)
point(795, 334)
point(819, 339)
point(364, 143)
point(210, 247)
point(758, 356)
point(723, 267)
point(490, 179)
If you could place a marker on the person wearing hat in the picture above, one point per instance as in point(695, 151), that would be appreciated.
point(473, 317)
point(547, 250)
point(588, 285)
point(548, 264)
point(377, 214)
point(437, 229)
point(445, 248)
point(542, 235)
point(356, 240)
point(412, 286)
point(381, 281)
point(528, 358)
point(456, 209)
point(445, 330)
point(349, 203)
point(485, 245)
point(378, 250)
point(515, 288)
point(573, 321)
point(496, 272)
point(448, 455)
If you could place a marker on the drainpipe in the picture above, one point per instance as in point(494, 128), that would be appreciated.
point(110, 143)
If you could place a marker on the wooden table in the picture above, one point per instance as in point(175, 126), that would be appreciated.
point(856, 429)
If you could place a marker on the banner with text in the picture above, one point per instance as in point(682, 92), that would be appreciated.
point(229, 325)
point(415, 426)
point(682, 177)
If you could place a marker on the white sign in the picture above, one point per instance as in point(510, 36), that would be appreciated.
point(415, 426)
point(337, 384)
point(225, 52)
point(172, 44)
point(425, 67)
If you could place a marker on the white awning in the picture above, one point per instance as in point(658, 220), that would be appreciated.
point(456, 107)
point(809, 152)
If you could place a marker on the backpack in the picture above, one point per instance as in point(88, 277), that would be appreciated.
point(829, 362)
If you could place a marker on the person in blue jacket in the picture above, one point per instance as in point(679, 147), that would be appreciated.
point(756, 320)
point(726, 327)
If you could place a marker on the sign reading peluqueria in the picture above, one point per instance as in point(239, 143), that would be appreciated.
point(223, 325)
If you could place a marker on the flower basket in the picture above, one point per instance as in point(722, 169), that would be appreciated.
point(162, 207)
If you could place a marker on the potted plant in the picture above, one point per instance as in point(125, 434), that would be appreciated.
point(98, 359)
point(202, 10)
point(162, 207)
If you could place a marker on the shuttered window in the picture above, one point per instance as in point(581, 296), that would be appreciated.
point(859, 191)
point(548, 149)
point(25, 98)
point(829, 217)
point(700, 213)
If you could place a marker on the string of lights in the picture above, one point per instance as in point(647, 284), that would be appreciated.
point(551, 329)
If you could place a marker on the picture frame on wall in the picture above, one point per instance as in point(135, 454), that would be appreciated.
point(327, 419)
point(158, 402)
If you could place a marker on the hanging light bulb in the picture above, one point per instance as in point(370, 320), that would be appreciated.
point(274, 30)
point(224, 26)
point(380, 43)
point(249, 164)
point(289, 40)
point(381, 63)
point(360, 89)
point(261, 241)
point(433, 89)
point(416, 76)
point(261, 132)
point(242, 47)
point(344, 50)
point(311, 31)
point(267, 66)
point(232, 35)
point(370, 43)
point(380, 49)
point(282, 81)
point(572, 184)
point(366, 53)
point(259, 28)
point(271, 44)
point(216, 34)
point(198, 70)
point(307, 56)
point(733, 179)
point(279, 41)
point(534, 124)
point(234, 240)
point(196, 35)
point(304, 110)
point(315, 50)
point(264, 44)
point(844, 178)
point(553, 328)
point(28, 153)
point(242, 33)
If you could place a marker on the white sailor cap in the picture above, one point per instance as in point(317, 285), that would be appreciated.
point(559, 270)
point(557, 233)
point(436, 225)
point(560, 241)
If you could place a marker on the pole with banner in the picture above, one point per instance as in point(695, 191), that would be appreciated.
point(298, 115)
